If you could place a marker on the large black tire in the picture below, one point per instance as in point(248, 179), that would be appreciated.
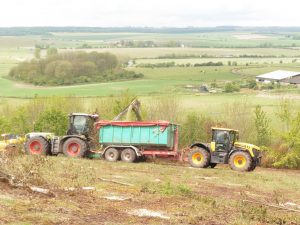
point(253, 165)
point(74, 147)
point(37, 146)
point(112, 155)
point(199, 158)
point(240, 161)
point(212, 165)
point(128, 155)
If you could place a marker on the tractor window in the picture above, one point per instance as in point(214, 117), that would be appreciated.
point(222, 139)
point(80, 123)
point(232, 137)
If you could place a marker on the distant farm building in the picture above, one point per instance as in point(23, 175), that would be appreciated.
point(280, 76)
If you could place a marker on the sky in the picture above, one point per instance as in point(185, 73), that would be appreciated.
point(149, 13)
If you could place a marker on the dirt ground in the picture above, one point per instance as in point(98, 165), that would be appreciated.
point(82, 191)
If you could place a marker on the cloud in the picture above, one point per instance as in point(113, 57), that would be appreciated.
point(173, 13)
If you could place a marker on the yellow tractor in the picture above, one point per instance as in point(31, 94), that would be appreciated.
point(10, 141)
point(225, 149)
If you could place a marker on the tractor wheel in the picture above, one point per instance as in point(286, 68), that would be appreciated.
point(74, 147)
point(112, 155)
point(240, 161)
point(253, 165)
point(199, 158)
point(128, 155)
point(213, 165)
point(37, 146)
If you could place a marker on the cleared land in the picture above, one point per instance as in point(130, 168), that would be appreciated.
point(120, 193)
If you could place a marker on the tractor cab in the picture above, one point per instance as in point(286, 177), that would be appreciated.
point(81, 123)
point(223, 139)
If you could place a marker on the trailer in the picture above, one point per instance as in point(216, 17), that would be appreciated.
point(129, 141)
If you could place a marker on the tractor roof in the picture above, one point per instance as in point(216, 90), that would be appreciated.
point(225, 129)
point(84, 114)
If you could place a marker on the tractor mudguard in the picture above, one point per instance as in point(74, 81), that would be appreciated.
point(64, 138)
point(252, 149)
point(201, 145)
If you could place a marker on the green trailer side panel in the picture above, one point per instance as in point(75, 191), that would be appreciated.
point(137, 135)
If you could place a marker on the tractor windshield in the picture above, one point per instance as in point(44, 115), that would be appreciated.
point(224, 139)
point(80, 124)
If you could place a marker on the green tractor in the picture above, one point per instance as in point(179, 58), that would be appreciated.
point(225, 149)
point(76, 143)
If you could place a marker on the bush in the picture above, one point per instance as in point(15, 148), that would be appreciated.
point(262, 124)
point(209, 64)
point(157, 65)
point(52, 120)
point(251, 83)
point(195, 128)
point(231, 87)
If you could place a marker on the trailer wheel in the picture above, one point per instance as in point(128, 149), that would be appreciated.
point(112, 155)
point(240, 161)
point(37, 146)
point(128, 155)
point(199, 158)
point(74, 147)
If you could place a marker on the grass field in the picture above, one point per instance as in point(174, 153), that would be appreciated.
point(208, 39)
point(151, 193)
point(157, 81)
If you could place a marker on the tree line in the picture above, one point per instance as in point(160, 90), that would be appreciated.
point(71, 68)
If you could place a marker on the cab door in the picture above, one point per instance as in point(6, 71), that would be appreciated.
point(220, 146)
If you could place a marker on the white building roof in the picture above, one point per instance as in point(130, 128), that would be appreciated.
point(278, 75)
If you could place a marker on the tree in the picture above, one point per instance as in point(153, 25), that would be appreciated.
point(52, 52)
point(4, 125)
point(251, 83)
point(52, 120)
point(284, 113)
point(291, 141)
point(231, 87)
point(262, 125)
point(37, 53)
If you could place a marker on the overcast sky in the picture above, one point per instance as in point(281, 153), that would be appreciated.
point(151, 13)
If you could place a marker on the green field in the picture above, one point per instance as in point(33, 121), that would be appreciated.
point(223, 47)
